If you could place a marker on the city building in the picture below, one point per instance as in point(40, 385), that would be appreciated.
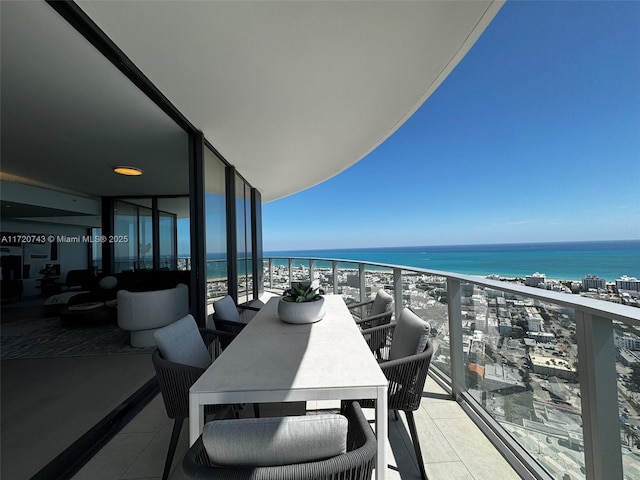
point(629, 357)
point(535, 321)
point(593, 282)
point(535, 279)
point(501, 377)
point(625, 282)
point(626, 340)
point(552, 366)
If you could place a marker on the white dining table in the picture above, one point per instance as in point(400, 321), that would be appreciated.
point(273, 361)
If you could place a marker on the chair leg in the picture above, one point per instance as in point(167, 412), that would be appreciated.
point(175, 434)
point(396, 417)
point(416, 443)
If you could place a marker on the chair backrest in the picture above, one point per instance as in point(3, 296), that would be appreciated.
point(181, 342)
point(410, 335)
point(176, 376)
point(226, 309)
point(272, 441)
point(153, 309)
point(405, 390)
point(382, 303)
point(356, 463)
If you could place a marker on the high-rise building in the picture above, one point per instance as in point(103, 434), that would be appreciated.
point(593, 282)
point(628, 283)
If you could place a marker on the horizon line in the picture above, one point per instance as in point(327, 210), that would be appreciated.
point(456, 245)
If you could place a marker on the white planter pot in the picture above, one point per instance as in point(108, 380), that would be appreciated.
point(302, 312)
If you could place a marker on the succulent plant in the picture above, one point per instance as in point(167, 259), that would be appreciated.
point(303, 292)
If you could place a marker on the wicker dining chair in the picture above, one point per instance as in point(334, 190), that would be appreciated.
point(188, 359)
point(404, 358)
point(374, 312)
point(232, 318)
point(356, 463)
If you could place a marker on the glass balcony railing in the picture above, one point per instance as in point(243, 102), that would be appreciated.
point(538, 370)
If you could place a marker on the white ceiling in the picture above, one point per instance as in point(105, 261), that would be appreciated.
point(289, 92)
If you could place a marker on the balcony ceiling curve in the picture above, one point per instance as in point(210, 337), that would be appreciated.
point(292, 93)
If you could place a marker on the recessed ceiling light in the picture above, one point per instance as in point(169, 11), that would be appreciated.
point(129, 171)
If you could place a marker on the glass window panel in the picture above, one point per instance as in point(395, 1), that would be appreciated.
point(626, 338)
point(348, 282)
point(175, 237)
point(248, 243)
point(521, 365)
point(323, 272)
point(125, 226)
point(145, 235)
point(243, 237)
point(216, 226)
point(96, 250)
point(426, 295)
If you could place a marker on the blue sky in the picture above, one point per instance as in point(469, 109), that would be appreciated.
point(534, 137)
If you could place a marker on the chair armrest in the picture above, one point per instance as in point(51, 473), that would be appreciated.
point(248, 307)
point(406, 377)
point(175, 379)
point(377, 320)
point(378, 337)
point(359, 304)
point(215, 341)
point(228, 326)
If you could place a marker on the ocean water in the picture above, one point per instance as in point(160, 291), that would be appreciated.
point(562, 261)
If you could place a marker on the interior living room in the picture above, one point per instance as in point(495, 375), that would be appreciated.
point(138, 143)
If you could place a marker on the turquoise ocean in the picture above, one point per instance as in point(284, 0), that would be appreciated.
point(561, 261)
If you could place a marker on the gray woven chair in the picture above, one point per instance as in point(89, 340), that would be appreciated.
point(355, 464)
point(405, 359)
point(373, 313)
point(232, 318)
point(176, 377)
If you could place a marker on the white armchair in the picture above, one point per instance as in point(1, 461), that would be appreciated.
point(142, 313)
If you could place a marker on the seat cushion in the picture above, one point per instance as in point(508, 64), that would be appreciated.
point(226, 309)
point(382, 303)
point(262, 442)
point(410, 335)
point(181, 342)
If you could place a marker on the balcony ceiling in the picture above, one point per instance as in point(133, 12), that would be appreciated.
point(290, 93)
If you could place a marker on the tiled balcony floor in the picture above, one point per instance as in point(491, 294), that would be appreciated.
point(453, 447)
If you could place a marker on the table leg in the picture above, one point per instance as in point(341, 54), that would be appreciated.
point(196, 418)
point(382, 432)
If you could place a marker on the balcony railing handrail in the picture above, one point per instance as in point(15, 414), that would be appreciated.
point(601, 308)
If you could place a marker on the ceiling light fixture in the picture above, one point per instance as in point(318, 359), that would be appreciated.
point(129, 171)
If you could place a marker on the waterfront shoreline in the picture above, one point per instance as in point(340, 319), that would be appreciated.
point(565, 261)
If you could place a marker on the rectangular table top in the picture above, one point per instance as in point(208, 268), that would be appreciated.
point(274, 361)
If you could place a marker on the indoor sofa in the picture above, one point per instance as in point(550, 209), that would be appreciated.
point(142, 313)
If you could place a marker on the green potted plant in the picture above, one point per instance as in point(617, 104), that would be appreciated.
point(302, 303)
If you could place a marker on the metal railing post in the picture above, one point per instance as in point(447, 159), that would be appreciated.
point(311, 269)
point(397, 292)
point(363, 282)
point(334, 265)
point(290, 272)
point(270, 273)
point(599, 396)
point(455, 337)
